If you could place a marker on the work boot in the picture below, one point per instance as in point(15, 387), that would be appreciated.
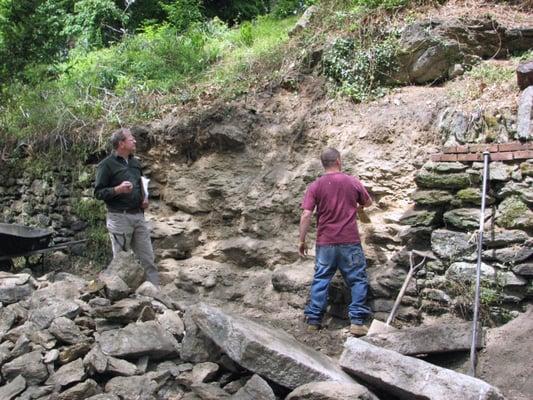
point(313, 328)
point(358, 330)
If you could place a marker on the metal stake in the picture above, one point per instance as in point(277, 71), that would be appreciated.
point(473, 354)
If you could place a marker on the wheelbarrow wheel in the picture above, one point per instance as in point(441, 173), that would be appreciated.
point(7, 265)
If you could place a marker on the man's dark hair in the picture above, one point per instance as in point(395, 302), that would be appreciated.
point(118, 136)
point(329, 156)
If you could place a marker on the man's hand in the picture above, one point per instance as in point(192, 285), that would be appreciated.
point(144, 204)
point(124, 187)
point(302, 249)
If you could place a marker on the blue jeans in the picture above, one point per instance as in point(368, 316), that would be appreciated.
point(350, 260)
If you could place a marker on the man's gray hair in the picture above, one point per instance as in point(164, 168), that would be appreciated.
point(118, 136)
point(329, 157)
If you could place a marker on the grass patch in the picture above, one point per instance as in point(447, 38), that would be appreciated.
point(124, 84)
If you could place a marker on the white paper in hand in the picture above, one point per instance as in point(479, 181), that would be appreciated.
point(145, 182)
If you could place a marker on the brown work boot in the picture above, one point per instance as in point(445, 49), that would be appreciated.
point(358, 330)
point(312, 328)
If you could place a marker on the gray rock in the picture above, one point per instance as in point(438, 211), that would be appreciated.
point(467, 272)
point(116, 366)
point(410, 378)
point(523, 190)
point(502, 238)
point(472, 196)
point(10, 390)
point(7, 319)
point(132, 387)
point(77, 350)
point(261, 349)
point(432, 197)
point(524, 269)
point(304, 20)
point(514, 213)
point(431, 180)
point(331, 390)
point(509, 255)
point(104, 396)
point(255, 388)
point(525, 114)
point(35, 392)
point(95, 360)
point(499, 172)
point(206, 391)
point(466, 219)
point(204, 372)
point(196, 346)
point(29, 365)
point(14, 288)
point(177, 234)
point(22, 346)
point(172, 323)
point(419, 218)
point(293, 278)
point(445, 167)
point(68, 374)
point(442, 338)
point(66, 330)
point(81, 391)
point(126, 266)
point(139, 339)
point(524, 75)
point(125, 310)
point(451, 245)
point(54, 308)
point(115, 287)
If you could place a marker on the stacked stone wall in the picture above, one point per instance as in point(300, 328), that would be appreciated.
point(445, 220)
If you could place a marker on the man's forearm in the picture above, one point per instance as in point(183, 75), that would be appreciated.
point(305, 223)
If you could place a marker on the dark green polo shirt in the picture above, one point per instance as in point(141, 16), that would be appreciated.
point(111, 172)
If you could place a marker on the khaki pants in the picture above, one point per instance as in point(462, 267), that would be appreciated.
point(130, 231)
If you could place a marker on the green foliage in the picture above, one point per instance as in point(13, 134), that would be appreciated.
point(361, 73)
point(31, 31)
point(385, 4)
point(93, 212)
point(182, 14)
point(246, 34)
point(285, 8)
point(491, 73)
point(234, 11)
point(95, 23)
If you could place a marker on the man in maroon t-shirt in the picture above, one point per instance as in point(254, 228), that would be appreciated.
point(336, 197)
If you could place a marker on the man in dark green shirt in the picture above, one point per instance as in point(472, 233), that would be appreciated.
point(119, 185)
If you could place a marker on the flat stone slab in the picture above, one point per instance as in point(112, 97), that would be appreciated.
point(268, 352)
point(411, 378)
point(427, 339)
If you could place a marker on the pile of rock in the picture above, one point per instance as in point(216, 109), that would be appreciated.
point(114, 338)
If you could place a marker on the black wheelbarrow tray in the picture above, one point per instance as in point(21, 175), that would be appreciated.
point(19, 239)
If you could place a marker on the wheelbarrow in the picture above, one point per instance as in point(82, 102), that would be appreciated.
point(377, 326)
point(24, 241)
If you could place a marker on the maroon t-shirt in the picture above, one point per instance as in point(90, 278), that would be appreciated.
point(335, 196)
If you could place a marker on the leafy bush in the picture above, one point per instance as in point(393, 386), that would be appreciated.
point(361, 73)
point(183, 13)
point(93, 212)
point(285, 8)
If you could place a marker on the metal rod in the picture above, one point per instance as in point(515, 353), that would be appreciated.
point(475, 323)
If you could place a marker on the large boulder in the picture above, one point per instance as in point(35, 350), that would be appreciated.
point(411, 378)
point(125, 266)
point(268, 352)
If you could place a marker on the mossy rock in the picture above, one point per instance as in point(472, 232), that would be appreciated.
point(514, 213)
point(466, 219)
point(527, 168)
point(419, 218)
point(472, 196)
point(432, 197)
point(445, 167)
point(442, 181)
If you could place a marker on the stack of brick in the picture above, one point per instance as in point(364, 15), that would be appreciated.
point(474, 152)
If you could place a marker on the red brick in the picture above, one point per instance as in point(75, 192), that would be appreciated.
point(461, 149)
point(470, 157)
point(502, 156)
point(475, 148)
point(511, 146)
point(448, 157)
point(523, 154)
point(436, 157)
point(449, 149)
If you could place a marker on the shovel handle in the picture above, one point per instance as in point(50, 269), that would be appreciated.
point(412, 270)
